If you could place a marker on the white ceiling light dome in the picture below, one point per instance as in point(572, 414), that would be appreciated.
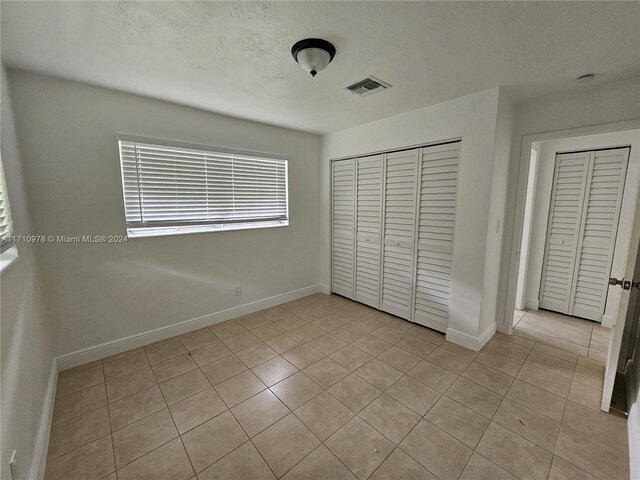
point(313, 54)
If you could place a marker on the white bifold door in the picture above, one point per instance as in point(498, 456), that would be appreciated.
point(436, 222)
point(343, 225)
point(368, 231)
point(581, 231)
point(393, 227)
point(398, 259)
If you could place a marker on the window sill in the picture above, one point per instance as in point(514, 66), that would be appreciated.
point(182, 230)
point(8, 258)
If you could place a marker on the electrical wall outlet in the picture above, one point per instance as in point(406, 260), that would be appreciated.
point(13, 466)
point(238, 290)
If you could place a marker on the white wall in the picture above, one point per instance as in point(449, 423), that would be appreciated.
point(472, 118)
point(525, 245)
point(587, 106)
point(491, 308)
point(27, 336)
point(100, 293)
point(544, 185)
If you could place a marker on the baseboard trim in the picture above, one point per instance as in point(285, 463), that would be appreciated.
point(39, 460)
point(120, 345)
point(532, 303)
point(469, 341)
point(487, 335)
point(607, 321)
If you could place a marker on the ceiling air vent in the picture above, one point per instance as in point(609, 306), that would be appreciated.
point(368, 86)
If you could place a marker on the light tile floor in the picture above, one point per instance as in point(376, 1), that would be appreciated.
point(576, 335)
point(329, 389)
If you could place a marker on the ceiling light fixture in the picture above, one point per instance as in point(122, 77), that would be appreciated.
point(313, 54)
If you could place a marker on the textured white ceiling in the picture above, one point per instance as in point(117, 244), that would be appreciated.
point(234, 57)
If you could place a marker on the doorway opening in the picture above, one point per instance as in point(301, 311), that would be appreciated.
point(574, 225)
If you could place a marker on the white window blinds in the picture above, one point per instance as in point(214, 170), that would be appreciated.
point(175, 188)
point(6, 226)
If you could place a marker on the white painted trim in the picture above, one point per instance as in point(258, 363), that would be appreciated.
point(633, 420)
point(39, 459)
point(470, 342)
point(505, 323)
point(487, 335)
point(459, 338)
point(608, 321)
point(120, 345)
point(532, 303)
point(8, 258)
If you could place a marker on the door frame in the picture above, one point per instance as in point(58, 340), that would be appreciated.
point(505, 324)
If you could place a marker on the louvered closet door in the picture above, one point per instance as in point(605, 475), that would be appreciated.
point(368, 229)
point(343, 223)
point(436, 220)
point(602, 203)
point(563, 230)
point(399, 219)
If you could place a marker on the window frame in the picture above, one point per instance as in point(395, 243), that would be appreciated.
point(4, 196)
point(181, 228)
point(8, 249)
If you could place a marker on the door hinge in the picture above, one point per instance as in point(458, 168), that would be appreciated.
point(625, 284)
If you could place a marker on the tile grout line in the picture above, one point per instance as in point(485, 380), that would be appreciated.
point(383, 392)
point(179, 437)
point(146, 416)
point(560, 422)
point(108, 403)
point(308, 401)
point(572, 322)
point(492, 421)
point(239, 424)
point(323, 390)
point(291, 412)
point(174, 422)
point(113, 446)
point(198, 367)
point(85, 412)
point(323, 443)
point(250, 439)
point(535, 332)
point(406, 333)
